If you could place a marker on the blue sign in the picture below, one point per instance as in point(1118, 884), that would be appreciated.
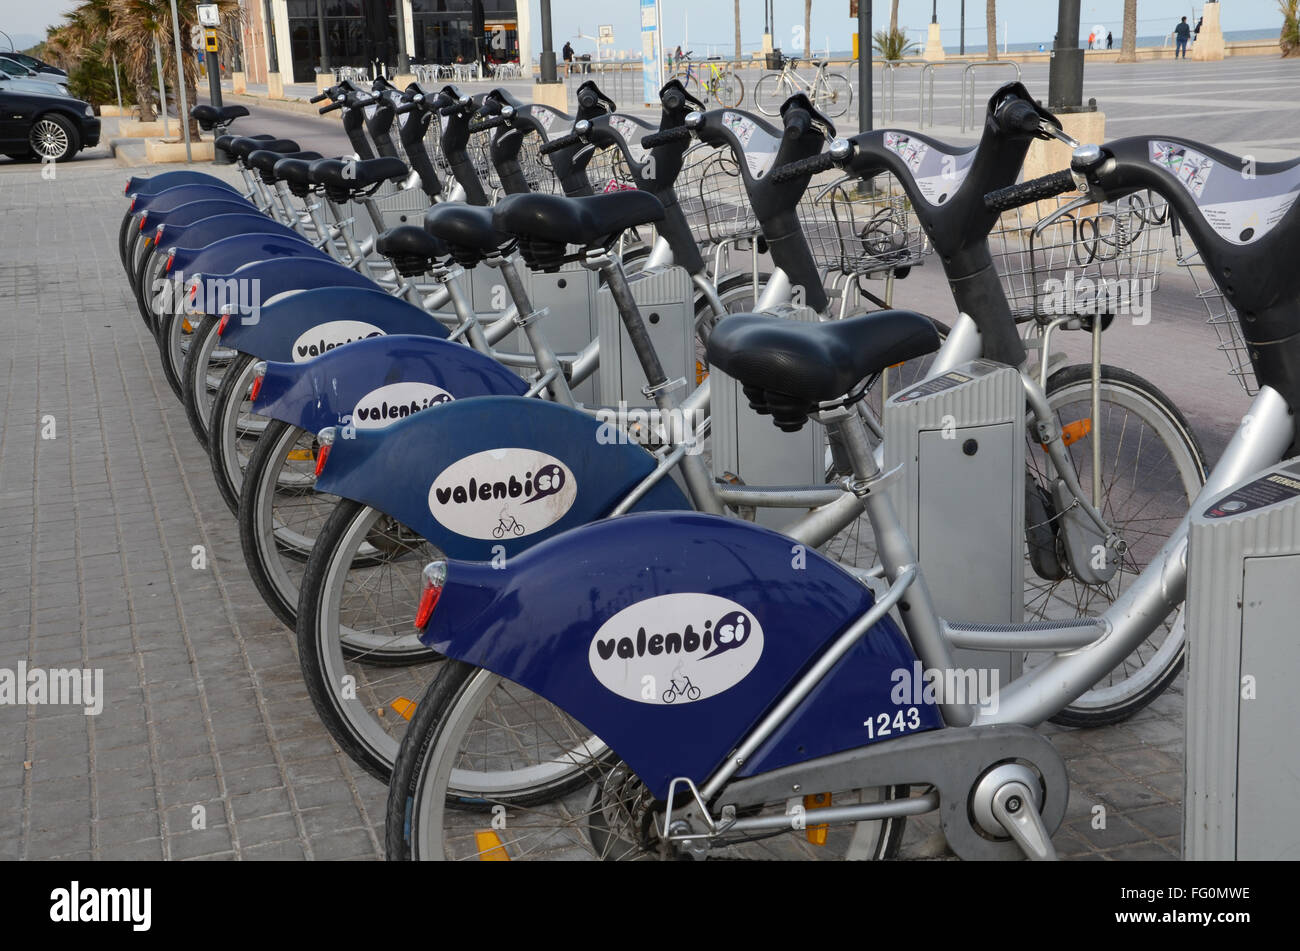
point(651, 52)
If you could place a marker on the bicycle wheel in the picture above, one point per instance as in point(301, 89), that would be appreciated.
point(234, 429)
point(281, 514)
point(728, 90)
point(175, 331)
point(769, 93)
point(833, 95)
point(593, 808)
point(1153, 467)
point(205, 366)
point(363, 665)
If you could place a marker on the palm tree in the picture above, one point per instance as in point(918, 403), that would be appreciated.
point(893, 16)
point(807, 29)
point(1128, 44)
point(991, 23)
point(737, 30)
point(1290, 36)
point(89, 32)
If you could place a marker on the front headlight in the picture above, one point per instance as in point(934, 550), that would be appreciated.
point(90, 111)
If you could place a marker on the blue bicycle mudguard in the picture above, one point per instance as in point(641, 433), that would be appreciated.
point(152, 184)
point(669, 635)
point(373, 383)
point(180, 195)
point(492, 474)
point(271, 278)
point(302, 326)
point(194, 211)
point(229, 253)
point(210, 229)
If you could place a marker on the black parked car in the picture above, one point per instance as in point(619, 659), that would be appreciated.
point(34, 64)
point(51, 127)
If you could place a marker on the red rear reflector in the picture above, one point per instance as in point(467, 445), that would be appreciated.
point(126, 189)
point(321, 455)
point(221, 328)
point(132, 208)
point(171, 256)
point(257, 388)
point(435, 575)
point(194, 293)
point(143, 219)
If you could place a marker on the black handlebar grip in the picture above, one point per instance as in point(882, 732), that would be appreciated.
point(809, 166)
point(1017, 115)
point(406, 107)
point(563, 142)
point(666, 137)
point(484, 124)
point(321, 98)
point(1013, 196)
point(331, 107)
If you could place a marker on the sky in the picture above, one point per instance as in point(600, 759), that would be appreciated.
point(705, 25)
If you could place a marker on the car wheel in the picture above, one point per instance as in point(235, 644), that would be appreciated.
point(53, 138)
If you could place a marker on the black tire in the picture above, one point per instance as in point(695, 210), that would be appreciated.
point(196, 375)
point(366, 752)
point(142, 279)
point(451, 680)
point(173, 364)
point(1082, 713)
point(53, 138)
point(223, 422)
point(123, 232)
point(261, 476)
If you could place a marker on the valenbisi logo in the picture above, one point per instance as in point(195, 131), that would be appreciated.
point(325, 337)
point(502, 493)
point(77, 904)
point(676, 648)
point(396, 401)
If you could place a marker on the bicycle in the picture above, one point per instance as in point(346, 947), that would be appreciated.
point(511, 526)
point(638, 791)
point(831, 93)
point(686, 689)
point(720, 83)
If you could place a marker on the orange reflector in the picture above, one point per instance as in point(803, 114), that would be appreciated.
point(320, 457)
point(489, 845)
point(1071, 433)
point(404, 707)
point(816, 834)
point(187, 326)
point(701, 374)
point(300, 455)
point(221, 328)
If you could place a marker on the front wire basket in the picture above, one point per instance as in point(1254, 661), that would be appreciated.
point(860, 227)
point(712, 194)
point(1097, 255)
point(1218, 312)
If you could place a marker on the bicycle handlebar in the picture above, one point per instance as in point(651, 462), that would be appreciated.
point(1013, 196)
point(563, 142)
point(320, 98)
point(332, 106)
point(484, 124)
point(666, 137)
point(809, 166)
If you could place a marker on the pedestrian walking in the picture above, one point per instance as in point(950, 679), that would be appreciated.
point(568, 56)
point(1092, 38)
point(1110, 39)
point(1181, 33)
point(1196, 31)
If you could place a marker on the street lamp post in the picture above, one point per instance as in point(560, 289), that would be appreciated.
point(962, 48)
point(547, 61)
point(1065, 74)
point(864, 65)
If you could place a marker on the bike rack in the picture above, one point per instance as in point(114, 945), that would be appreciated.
point(967, 72)
point(927, 72)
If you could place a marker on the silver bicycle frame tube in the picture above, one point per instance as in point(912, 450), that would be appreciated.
point(962, 345)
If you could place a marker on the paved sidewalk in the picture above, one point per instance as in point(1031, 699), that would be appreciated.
point(205, 706)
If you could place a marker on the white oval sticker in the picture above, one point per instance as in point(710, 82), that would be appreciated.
point(676, 648)
point(502, 493)
point(396, 401)
point(325, 337)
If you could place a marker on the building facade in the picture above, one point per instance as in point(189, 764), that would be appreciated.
point(307, 36)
